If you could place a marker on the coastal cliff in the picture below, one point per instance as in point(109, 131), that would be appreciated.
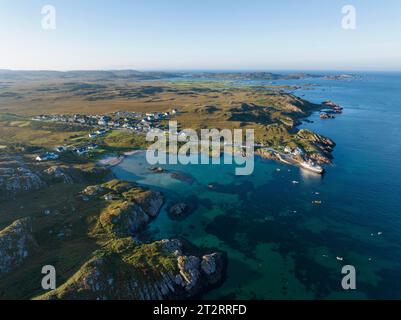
point(156, 271)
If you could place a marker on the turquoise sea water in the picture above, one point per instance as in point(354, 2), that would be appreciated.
point(279, 244)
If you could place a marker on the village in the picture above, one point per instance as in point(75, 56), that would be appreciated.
point(102, 124)
point(119, 120)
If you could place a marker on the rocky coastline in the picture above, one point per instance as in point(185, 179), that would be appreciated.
point(165, 269)
point(186, 276)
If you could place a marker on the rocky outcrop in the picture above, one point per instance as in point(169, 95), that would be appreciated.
point(59, 174)
point(129, 208)
point(212, 266)
point(336, 107)
point(156, 271)
point(321, 158)
point(18, 180)
point(325, 116)
point(129, 217)
point(179, 211)
point(316, 139)
point(16, 245)
point(92, 191)
point(152, 203)
point(267, 154)
point(183, 177)
point(324, 146)
point(190, 272)
point(157, 170)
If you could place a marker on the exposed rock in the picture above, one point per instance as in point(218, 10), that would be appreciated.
point(321, 158)
point(108, 197)
point(184, 177)
point(60, 174)
point(130, 208)
point(316, 138)
point(16, 244)
point(190, 271)
point(334, 106)
point(153, 203)
point(177, 275)
point(92, 191)
point(18, 180)
point(128, 219)
point(179, 211)
point(171, 246)
point(325, 115)
point(212, 266)
point(267, 154)
point(157, 170)
point(323, 145)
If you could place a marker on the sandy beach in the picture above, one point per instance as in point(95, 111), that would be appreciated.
point(114, 160)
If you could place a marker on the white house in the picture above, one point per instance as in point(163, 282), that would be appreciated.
point(298, 152)
point(47, 156)
point(101, 132)
point(91, 146)
point(81, 151)
point(60, 149)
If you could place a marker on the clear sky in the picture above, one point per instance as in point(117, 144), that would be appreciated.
point(201, 34)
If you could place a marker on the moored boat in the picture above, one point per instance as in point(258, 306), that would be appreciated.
point(312, 167)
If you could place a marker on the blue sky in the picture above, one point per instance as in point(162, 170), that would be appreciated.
point(201, 34)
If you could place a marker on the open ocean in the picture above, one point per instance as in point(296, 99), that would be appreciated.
point(279, 244)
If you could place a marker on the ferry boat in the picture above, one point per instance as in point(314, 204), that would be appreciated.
point(312, 167)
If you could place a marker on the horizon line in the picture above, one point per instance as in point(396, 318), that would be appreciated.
point(197, 70)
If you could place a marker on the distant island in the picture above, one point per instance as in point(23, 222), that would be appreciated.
point(266, 76)
point(148, 75)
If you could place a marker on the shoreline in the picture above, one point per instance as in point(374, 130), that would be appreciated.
point(110, 161)
point(113, 161)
